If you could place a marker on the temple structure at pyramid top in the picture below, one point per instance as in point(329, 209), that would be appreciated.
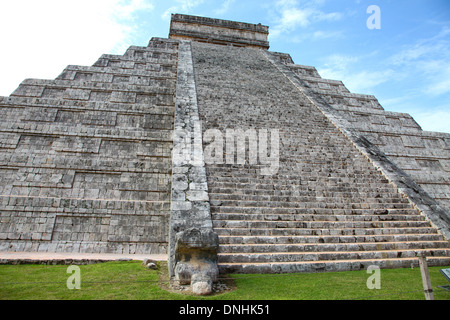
point(218, 31)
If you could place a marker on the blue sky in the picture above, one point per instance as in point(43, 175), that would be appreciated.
point(405, 64)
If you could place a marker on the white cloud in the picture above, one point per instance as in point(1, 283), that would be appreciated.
point(340, 67)
point(365, 81)
point(429, 58)
point(346, 69)
point(419, 51)
point(127, 11)
point(359, 82)
point(336, 67)
point(182, 6)
point(321, 35)
point(436, 120)
point(424, 48)
point(340, 62)
point(316, 36)
point(429, 117)
point(292, 15)
point(225, 7)
point(438, 75)
point(46, 35)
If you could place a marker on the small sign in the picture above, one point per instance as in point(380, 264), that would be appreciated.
point(446, 273)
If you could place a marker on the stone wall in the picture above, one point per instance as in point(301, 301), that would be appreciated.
point(109, 158)
point(416, 161)
point(85, 159)
point(217, 31)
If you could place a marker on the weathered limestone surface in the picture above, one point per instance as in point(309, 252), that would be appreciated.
point(196, 259)
point(432, 210)
point(85, 159)
point(193, 244)
point(223, 32)
point(423, 155)
point(109, 158)
point(328, 208)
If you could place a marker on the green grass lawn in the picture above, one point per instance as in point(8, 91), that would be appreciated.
point(132, 281)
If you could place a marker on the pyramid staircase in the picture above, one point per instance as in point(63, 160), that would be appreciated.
point(85, 166)
point(264, 226)
point(326, 209)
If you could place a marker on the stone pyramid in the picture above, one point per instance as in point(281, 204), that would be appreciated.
point(147, 153)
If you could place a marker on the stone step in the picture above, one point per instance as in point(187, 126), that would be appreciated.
point(99, 86)
point(327, 201)
point(314, 217)
point(319, 247)
point(30, 204)
point(57, 129)
point(120, 94)
point(146, 57)
point(72, 105)
point(307, 141)
point(387, 193)
point(310, 204)
point(345, 177)
point(154, 74)
point(311, 210)
point(65, 162)
point(307, 160)
point(287, 171)
point(223, 197)
point(320, 232)
point(327, 265)
point(328, 255)
point(254, 224)
point(314, 166)
point(307, 239)
point(254, 184)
